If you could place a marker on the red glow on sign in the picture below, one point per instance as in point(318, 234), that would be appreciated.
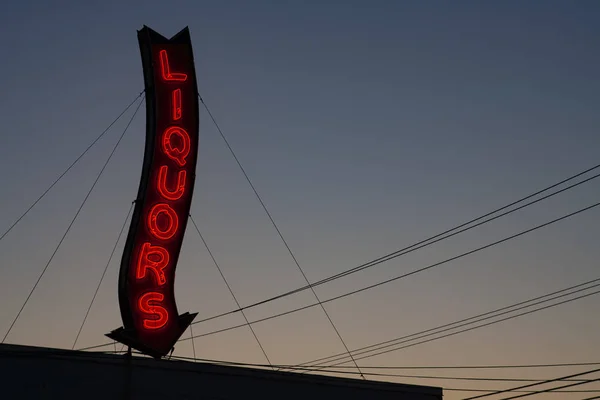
point(149, 303)
point(163, 207)
point(161, 184)
point(174, 152)
point(151, 322)
point(165, 69)
point(166, 199)
point(176, 105)
point(170, 221)
point(155, 259)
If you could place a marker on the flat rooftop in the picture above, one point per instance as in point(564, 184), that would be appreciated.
point(44, 373)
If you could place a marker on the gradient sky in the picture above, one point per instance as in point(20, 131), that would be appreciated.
point(365, 125)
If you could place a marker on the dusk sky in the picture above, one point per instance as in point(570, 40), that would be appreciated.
point(366, 126)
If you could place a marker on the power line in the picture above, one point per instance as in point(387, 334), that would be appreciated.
point(406, 367)
point(81, 353)
point(337, 332)
point(455, 324)
point(461, 323)
point(412, 272)
point(583, 381)
point(555, 389)
point(98, 346)
point(321, 367)
point(451, 378)
point(68, 169)
point(444, 237)
point(103, 358)
point(193, 345)
point(517, 366)
point(427, 242)
point(533, 384)
point(461, 331)
point(428, 377)
point(472, 328)
point(72, 221)
point(527, 392)
point(454, 367)
point(103, 274)
point(230, 290)
point(457, 378)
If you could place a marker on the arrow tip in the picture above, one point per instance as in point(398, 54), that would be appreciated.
point(131, 338)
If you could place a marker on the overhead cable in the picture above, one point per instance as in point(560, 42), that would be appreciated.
point(533, 384)
point(72, 222)
point(112, 253)
point(586, 286)
point(68, 168)
point(214, 260)
point(555, 390)
point(279, 233)
point(389, 350)
point(506, 239)
point(427, 242)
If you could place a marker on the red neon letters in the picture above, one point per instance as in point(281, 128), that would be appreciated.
point(161, 185)
point(170, 224)
point(149, 303)
point(155, 259)
point(176, 105)
point(161, 219)
point(179, 134)
point(167, 75)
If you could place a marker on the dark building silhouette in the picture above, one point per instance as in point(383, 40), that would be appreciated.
point(43, 373)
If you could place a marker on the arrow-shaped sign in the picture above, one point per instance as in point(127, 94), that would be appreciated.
point(151, 323)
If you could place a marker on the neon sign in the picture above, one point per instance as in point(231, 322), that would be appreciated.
point(151, 323)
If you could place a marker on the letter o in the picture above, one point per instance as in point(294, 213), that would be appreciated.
point(169, 214)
